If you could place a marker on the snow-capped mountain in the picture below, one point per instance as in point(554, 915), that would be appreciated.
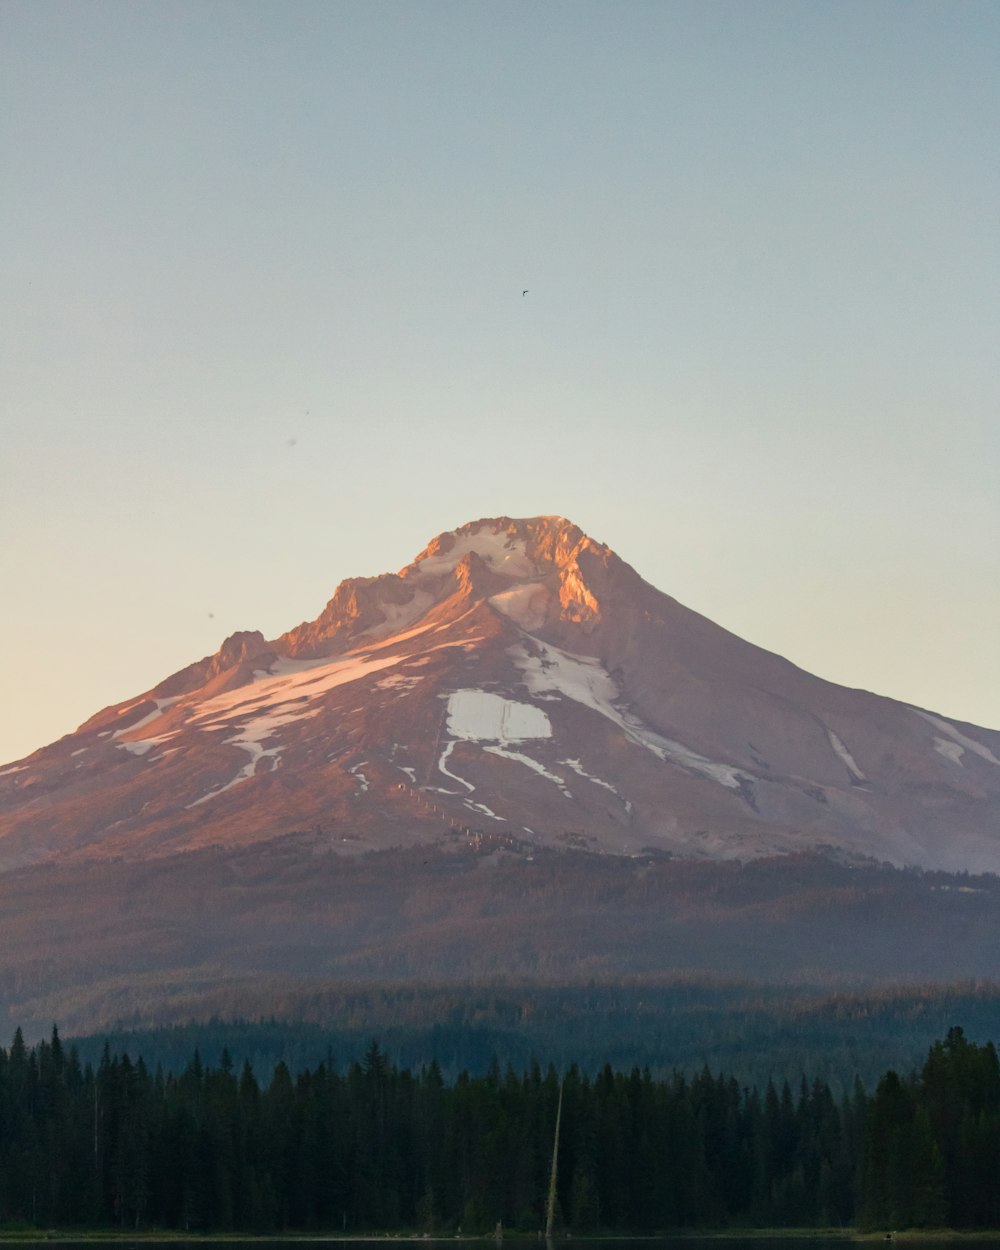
point(517, 677)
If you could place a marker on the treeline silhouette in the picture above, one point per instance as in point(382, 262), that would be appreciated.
point(378, 1147)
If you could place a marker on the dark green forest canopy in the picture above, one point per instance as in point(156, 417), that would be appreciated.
point(376, 1146)
point(754, 1033)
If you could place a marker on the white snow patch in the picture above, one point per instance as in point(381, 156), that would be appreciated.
point(356, 772)
point(527, 604)
point(466, 644)
point(285, 693)
point(956, 735)
point(577, 767)
point(124, 711)
point(481, 807)
point(288, 680)
point(585, 681)
point(845, 756)
point(678, 753)
point(410, 772)
point(528, 762)
point(393, 639)
point(148, 719)
point(478, 716)
point(249, 739)
point(399, 615)
point(950, 750)
point(141, 747)
point(17, 768)
point(502, 552)
point(257, 753)
point(454, 776)
point(451, 624)
point(80, 751)
point(398, 682)
point(577, 677)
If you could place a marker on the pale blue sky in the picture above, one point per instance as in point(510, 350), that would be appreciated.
point(760, 355)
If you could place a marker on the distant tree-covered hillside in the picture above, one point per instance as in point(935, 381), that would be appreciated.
point(279, 929)
point(755, 1033)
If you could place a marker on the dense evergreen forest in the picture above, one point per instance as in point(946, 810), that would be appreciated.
point(754, 1033)
point(378, 1147)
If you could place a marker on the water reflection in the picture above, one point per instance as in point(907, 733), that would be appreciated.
point(709, 1242)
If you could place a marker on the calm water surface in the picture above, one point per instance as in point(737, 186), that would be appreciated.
point(512, 1243)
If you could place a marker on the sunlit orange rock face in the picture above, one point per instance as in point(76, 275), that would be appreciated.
point(516, 678)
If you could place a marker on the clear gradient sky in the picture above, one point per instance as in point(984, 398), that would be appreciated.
point(262, 327)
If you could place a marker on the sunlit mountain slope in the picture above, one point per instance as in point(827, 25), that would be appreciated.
point(519, 678)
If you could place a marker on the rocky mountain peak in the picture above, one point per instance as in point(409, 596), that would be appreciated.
point(519, 677)
point(516, 548)
point(361, 606)
point(238, 649)
point(475, 577)
point(484, 558)
point(244, 645)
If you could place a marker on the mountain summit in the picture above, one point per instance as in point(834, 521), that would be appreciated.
point(517, 678)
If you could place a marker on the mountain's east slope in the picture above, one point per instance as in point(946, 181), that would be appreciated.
point(517, 677)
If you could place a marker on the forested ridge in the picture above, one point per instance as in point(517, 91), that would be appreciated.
point(288, 929)
point(375, 1146)
point(752, 1032)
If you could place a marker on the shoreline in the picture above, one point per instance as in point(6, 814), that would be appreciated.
point(164, 1237)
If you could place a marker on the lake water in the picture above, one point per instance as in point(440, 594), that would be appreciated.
point(511, 1242)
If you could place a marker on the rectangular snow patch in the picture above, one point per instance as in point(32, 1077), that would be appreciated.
point(478, 716)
